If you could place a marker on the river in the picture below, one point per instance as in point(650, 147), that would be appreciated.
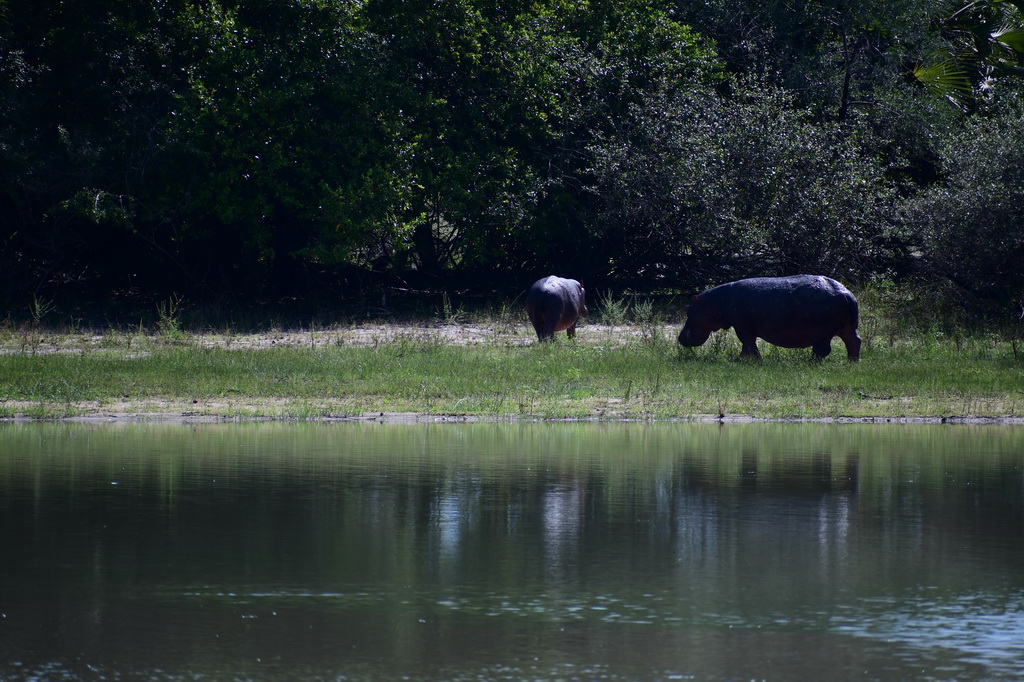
point(494, 551)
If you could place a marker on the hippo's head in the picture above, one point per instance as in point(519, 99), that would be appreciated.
point(701, 320)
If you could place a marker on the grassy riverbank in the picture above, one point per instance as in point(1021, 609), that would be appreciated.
point(495, 371)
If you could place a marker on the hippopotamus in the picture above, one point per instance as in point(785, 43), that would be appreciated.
point(792, 312)
point(553, 304)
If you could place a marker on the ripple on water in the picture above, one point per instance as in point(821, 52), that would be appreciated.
point(981, 628)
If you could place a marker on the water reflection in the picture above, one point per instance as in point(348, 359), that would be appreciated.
point(486, 551)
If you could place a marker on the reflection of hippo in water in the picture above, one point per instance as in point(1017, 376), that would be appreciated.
point(792, 312)
point(554, 304)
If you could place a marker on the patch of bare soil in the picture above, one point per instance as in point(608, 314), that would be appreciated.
point(499, 334)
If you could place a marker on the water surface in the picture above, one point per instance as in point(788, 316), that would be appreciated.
point(492, 551)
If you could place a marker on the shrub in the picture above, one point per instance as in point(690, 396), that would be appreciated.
point(701, 188)
point(972, 222)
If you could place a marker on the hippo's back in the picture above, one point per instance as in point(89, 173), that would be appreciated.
point(794, 296)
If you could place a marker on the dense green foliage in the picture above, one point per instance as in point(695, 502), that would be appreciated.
point(236, 151)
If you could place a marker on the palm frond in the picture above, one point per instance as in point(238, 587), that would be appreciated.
point(1011, 37)
point(946, 78)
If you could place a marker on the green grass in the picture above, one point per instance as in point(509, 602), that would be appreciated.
point(644, 379)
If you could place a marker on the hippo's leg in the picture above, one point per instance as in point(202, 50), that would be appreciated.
point(545, 330)
point(571, 331)
point(538, 326)
point(548, 328)
point(749, 343)
point(822, 349)
point(852, 341)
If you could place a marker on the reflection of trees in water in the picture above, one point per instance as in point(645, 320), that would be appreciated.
point(745, 514)
point(563, 519)
point(452, 511)
point(716, 503)
point(833, 531)
point(696, 527)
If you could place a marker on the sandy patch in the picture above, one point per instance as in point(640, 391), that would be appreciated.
point(499, 334)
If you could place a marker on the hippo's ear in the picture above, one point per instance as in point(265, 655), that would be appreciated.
point(694, 299)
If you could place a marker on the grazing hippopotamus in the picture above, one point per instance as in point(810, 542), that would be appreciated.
point(792, 312)
point(553, 304)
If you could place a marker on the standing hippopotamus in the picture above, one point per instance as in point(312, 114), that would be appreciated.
point(792, 312)
point(553, 304)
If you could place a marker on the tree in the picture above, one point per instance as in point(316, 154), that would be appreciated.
point(832, 55)
point(982, 42)
point(973, 221)
point(701, 189)
point(282, 157)
point(602, 63)
point(83, 90)
point(498, 103)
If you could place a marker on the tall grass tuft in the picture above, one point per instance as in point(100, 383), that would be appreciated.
point(614, 310)
point(168, 321)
